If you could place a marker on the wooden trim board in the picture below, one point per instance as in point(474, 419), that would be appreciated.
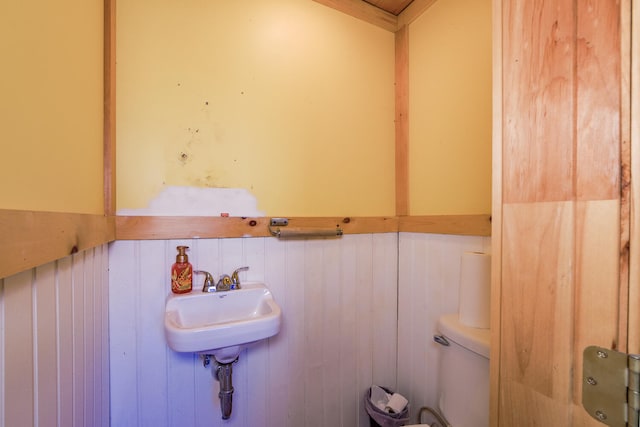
point(166, 227)
point(496, 212)
point(109, 126)
point(158, 227)
point(465, 225)
point(364, 11)
point(33, 238)
point(413, 11)
point(402, 120)
point(634, 238)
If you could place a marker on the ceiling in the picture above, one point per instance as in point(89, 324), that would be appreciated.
point(392, 15)
point(394, 7)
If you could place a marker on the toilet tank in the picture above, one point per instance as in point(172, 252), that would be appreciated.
point(464, 373)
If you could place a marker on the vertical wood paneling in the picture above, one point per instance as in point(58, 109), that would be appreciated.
point(313, 347)
point(365, 319)
point(401, 68)
point(348, 332)
point(88, 316)
point(150, 353)
point(3, 391)
point(258, 357)
point(597, 301)
point(46, 343)
point(65, 334)
point(51, 347)
point(337, 337)
point(294, 318)
point(562, 225)
point(78, 344)
point(539, 305)
point(428, 282)
point(18, 350)
point(384, 330)
point(278, 373)
point(331, 303)
point(541, 68)
point(634, 267)
point(598, 100)
point(122, 309)
point(496, 210)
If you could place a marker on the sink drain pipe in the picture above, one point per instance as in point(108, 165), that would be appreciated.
point(224, 372)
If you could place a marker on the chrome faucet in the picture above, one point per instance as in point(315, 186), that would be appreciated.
point(209, 285)
point(225, 283)
point(235, 278)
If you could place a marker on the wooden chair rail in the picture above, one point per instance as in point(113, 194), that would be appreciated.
point(33, 238)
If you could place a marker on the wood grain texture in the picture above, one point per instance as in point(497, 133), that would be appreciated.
point(537, 313)
point(175, 227)
point(413, 11)
point(597, 297)
point(109, 127)
point(364, 11)
point(402, 120)
point(561, 213)
point(392, 6)
point(496, 215)
point(464, 225)
point(538, 106)
point(625, 175)
point(598, 82)
point(32, 238)
point(158, 227)
point(634, 235)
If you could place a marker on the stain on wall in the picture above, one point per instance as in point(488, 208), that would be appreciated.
point(291, 100)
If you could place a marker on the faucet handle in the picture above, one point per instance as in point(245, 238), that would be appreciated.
point(209, 285)
point(235, 278)
point(224, 284)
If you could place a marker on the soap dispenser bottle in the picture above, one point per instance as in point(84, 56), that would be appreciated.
point(181, 272)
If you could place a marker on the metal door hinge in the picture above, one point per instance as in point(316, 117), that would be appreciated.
point(611, 386)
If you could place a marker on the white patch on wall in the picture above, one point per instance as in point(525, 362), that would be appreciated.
point(197, 201)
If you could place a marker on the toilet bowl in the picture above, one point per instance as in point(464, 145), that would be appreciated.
point(464, 374)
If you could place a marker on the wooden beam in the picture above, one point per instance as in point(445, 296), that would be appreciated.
point(623, 82)
point(109, 137)
point(190, 227)
point(496, 212)
point(402, 120)
point(634, 237)
point(364, 11)
point(175, 227)
point(392, 6)
point(470, 225)
point(32, 238)
point(413, 11)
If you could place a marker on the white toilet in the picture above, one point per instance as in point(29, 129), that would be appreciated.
point(464, 374)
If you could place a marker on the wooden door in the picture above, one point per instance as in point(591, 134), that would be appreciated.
point(561, 220)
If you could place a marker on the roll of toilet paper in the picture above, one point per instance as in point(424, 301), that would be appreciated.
point(396, 404)
point(475, 290)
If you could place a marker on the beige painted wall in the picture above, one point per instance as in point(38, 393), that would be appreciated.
point(289, 99)
point(450, 109)
point(51, 105)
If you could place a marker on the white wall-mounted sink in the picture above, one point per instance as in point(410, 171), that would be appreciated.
point(221, 323)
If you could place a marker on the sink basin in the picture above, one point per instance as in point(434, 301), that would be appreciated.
point(221, 323)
